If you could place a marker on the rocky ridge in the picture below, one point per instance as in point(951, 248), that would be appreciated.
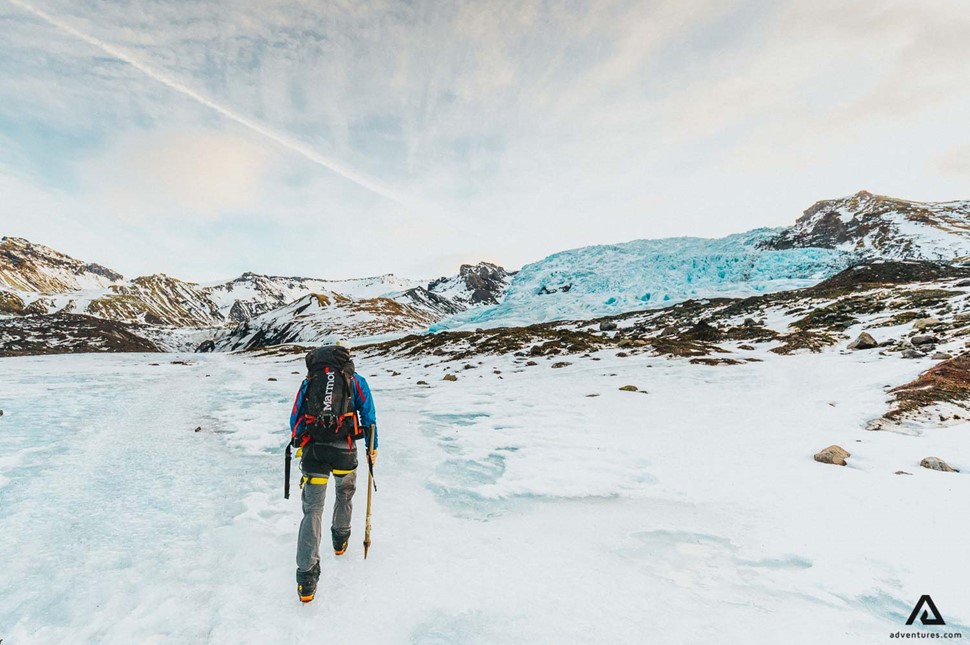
point(879, 226)
point(25, 266)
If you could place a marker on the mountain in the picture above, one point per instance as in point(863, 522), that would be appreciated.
point(25, 266)
point(248, 311)
point(878, 226)
point(157, 300)
point(257, 310)
point(480, 284)
point(253, 294)
point(277, 310)
point(318, 316)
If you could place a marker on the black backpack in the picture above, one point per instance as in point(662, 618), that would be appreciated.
point(327, 406)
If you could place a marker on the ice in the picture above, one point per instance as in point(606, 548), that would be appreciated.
point(604, 280)
point(513, 510)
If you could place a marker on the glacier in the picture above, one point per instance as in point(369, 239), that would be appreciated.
point(610, 279)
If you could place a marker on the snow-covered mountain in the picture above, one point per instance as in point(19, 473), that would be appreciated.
point(252, 294)
point(480, 284)
point(247, 311)
point(318, 316)
point(273, 310)
point(25, 266)
point(879, 226)
point(157, 300)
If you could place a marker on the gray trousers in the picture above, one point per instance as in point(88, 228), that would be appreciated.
point(308, 542)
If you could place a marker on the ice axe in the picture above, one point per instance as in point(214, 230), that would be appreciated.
point(286, 473)
point(371, 487)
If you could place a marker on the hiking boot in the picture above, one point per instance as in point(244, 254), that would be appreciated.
point(340, 541)
point(306, 582)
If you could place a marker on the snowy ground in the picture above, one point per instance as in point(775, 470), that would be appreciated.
point(511, 507)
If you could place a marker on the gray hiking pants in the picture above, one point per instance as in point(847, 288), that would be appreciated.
point(314, 493)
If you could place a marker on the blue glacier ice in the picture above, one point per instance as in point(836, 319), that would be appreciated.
point(611, 279)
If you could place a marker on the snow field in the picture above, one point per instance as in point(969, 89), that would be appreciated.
point(511, 507)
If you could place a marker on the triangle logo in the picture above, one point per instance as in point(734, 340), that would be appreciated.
point(926, 604)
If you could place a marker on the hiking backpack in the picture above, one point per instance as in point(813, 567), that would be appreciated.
point(324, 407)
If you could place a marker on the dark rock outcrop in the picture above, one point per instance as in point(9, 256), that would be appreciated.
point(864, 341)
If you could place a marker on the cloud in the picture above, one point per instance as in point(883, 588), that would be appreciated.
point(172, 174)
point(520, 126)
point(235, 116)
point(955, 162)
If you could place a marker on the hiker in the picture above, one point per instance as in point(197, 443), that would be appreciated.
point(333, 409)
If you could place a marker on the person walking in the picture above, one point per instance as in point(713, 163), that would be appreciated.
point(333, 410)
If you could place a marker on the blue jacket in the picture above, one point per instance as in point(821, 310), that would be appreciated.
point(363, 406)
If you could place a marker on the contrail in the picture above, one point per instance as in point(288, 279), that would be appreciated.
point(166, 80)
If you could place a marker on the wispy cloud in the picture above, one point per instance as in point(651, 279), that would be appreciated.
point(247, 122)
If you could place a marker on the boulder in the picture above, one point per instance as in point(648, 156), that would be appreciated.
point(912, 353)
point(935, 463)
point(205, 347)
point(941, 356)
point(560, 364)
point(629, 388)
point(864, 341)
point(607, 325)
point(450, 377)
point(832, 455)
point(923, 339)
point(922, 323)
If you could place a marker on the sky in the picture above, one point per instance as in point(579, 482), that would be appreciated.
point(205, 138)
